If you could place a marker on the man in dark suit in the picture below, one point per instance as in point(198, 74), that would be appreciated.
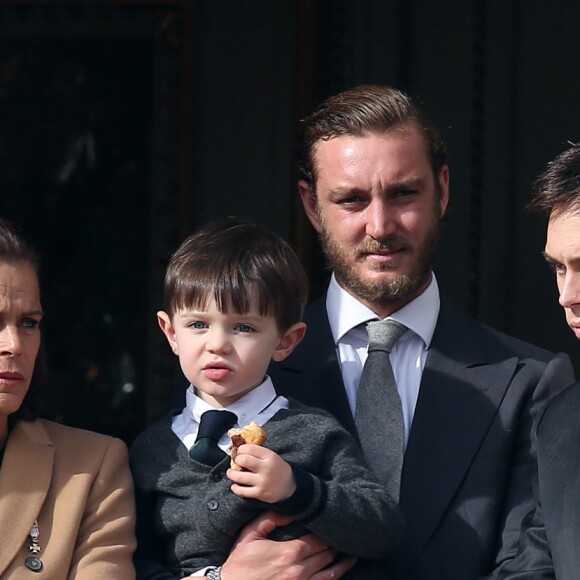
point(550, 542)
point(375, 185)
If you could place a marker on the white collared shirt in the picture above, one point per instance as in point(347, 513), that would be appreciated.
point(346, 315)
point(259, 405)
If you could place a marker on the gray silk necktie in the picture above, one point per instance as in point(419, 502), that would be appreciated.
point(379, 415)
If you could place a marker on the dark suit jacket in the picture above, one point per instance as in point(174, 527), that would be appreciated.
point(470, 465)
point(550, 546)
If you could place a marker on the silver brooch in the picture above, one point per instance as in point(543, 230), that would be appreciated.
point(34, 534)
point(32, 562)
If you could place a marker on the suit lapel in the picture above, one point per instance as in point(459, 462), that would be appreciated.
point(567, 524)
point(560, 483)
point(461, 389)
point(459, 396)
point(24, 482)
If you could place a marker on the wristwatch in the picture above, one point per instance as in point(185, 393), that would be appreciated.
point(215, 574)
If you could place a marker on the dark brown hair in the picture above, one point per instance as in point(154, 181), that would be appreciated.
point(558, 187)
point(240, 265)
point(362, 110)
point(13, 246)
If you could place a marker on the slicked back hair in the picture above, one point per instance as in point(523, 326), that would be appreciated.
point(365, 110)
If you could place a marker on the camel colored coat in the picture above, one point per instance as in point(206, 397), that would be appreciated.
point(77, 485)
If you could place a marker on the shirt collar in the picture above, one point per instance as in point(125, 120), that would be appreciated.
point(345, 312)
point(246, 408)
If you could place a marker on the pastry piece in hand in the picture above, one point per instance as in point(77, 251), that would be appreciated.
point(251, 433)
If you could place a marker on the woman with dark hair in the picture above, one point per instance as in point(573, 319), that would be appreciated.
point(66, 495)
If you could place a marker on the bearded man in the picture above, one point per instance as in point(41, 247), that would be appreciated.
point(374, 183)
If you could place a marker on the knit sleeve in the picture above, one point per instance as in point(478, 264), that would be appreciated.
point(349, 508)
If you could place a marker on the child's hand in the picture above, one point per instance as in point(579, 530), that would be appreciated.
point(268, 477)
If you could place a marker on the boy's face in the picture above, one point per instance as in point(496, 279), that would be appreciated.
point(225, 354)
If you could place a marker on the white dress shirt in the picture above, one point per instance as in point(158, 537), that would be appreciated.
point(346, 315)
point(259, 405)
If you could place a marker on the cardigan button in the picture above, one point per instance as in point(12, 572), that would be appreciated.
point(213, 504)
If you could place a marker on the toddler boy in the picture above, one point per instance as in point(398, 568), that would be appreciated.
point(234, 296)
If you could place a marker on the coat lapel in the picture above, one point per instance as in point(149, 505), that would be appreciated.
point(24, 482)
point(567, 526)
point(461, 390)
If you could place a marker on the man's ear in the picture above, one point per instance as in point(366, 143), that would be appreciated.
point(167, 328)
point(308, 196)
point(289, 341)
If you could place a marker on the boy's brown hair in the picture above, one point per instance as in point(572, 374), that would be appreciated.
point(240, 265)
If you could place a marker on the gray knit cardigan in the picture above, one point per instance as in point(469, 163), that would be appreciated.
point(188, 517)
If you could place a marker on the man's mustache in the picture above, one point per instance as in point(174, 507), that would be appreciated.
point(375, 247)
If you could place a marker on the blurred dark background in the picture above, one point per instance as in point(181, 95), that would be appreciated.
point(126, 124)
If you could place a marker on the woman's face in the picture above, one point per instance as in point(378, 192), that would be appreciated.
point(20, 315)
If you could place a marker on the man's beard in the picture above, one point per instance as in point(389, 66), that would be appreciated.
point(382, 292)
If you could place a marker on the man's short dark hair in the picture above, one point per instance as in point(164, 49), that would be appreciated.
point(366, 109)
point(241, 266)
point(558, 187)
